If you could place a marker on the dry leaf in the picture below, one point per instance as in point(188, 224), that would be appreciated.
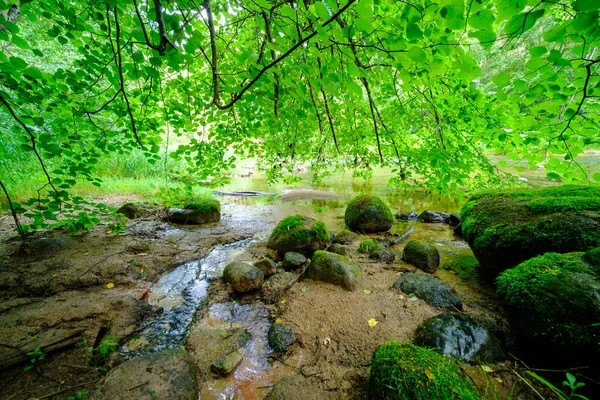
point(278, 321)
point(326, 341)
point(370, 272)
point(429, 375)
point(498, 379)
point(110, 285)
point(373, 322)
point(487, 369)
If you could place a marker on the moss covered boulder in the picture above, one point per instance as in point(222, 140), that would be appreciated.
point(402, 371)
point(300, 234)
point(460, 336)
point(335, 269)
point(553, 302)
point(506, 228)
point(593, 256)
point(368, 214)
point(422, 255)
point(199, 212)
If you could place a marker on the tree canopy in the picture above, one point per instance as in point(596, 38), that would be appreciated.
point(429, 88)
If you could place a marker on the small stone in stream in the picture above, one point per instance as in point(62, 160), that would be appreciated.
point(335, 269)
point(339, 249)
point(381, 253)
point(293, 261)
point(267, 266)
point(225, 365)
point(409, 216)
point(243, 277)
point(454, 219)
point(432, 290)
point(274, 287)
point(280, 337)
point(192, 216)
point(345, 237)
point(422, 255)
point(170, 373)
point(461, 336)
point(434, 217)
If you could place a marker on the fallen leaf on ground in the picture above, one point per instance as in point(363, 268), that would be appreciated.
point(278, 321)
point(366, 291)
point(110, 285)
point(485, 368)
point(326, 341)
point(373, 322)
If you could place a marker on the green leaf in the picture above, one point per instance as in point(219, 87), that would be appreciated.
point(502, 79)
point(417, 54)
point(596, 176)
point(537, 51)
point(20, 42)
point(413, 32)
point(586, 5)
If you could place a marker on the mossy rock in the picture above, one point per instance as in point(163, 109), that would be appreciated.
point(207, 205)
point(137, 210)
point(366, 213)
point(340, 249)
point(201, 211)
point(593, 256)
point(422, 255)
point(403, 371)
point(293, 261)
point(508, 227)
point(267, 266)
point(280, 337)
point(345, 237)
point(430, 289)
point(300, 234)
point(335, 269)
point(553, 302)
point(465, 266)
point(465, 337)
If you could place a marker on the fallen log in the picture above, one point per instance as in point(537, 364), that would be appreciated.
point(403, 236)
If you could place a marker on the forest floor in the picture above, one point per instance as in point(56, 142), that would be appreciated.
point(86, 288)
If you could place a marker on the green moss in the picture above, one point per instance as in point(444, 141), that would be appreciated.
point(367, 213)
point(367, 246)
point(554, 298)
point(205, 205)
point(593, 256)
point(404, 371)
point(466, 268)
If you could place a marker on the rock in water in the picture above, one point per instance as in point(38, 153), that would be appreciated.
point(508, 227)
point(435, 217)
point(280, 337)
point(335, 269)
point(454, 219)
point(293, 261)
point(409, 216)
point(243, 277)
point(300, 234)
point(553, 303)
point(274, 287)
point(402, 371)
point(460, 336)
point(368, 214)
point(267, 266)
point(171, 374)
point(432, 290)
point(225, 366)
point(422, 255)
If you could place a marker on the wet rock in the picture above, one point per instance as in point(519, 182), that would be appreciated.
point(335, 269)
point(454, 219)
point(225, 365)
point(339, 249)
point(382, 254)
point(267, 266)
point(432, 290)
point(460, 336)
point(280, 337)
point(300, 234)
point(553, 304)
point(345, 237)
point(404, 371)
point(274, 287)
point(505, 228)
point(293, 261)
point(169, 374)
point(194, 217)
point(435, 217)
point(295, 387)
point(368, 214)
point(243, 277)
point(409, 216)
point(137, 210)
point(422, 255)
point(458, 230)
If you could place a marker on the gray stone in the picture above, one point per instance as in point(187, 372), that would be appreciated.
point(243, 277)
point(345, 237)
point(274, 287)
point(339, 249)
point(434, 217)
point(432, 290)
point(267, 266)
point(293, 261)
point(224, 366)
point(409, 216)
point(189, 216)
point(335, 269)
point(422, 255)
point(280, 337)
point(169, 374)
point(454, 219)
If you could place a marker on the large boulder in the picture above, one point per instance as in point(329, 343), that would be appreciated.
point(422, 255)
point(460, 336)
point(300, 234)
point(506, 228)
point(430, 289)
point(553, 302)
point(170, 374)
point(243, 277)
point(366, 213)
point(335, 269)
point(280, 337)
point(403, 371)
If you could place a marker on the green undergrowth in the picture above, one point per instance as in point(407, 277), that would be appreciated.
point(403, 371)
